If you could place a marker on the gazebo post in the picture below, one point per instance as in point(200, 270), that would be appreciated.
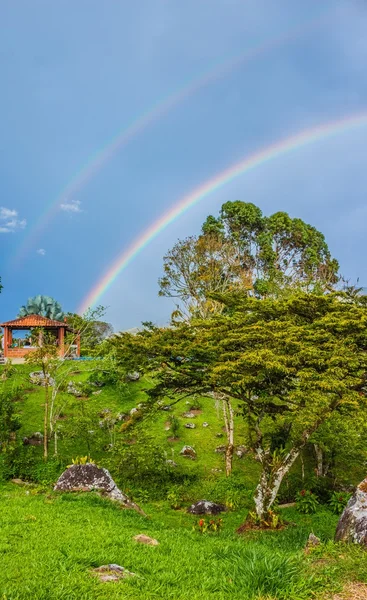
point(78, 344)
point(61, 341)
point(5, 342)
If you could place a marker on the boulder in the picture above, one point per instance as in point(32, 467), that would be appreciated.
point(189, 415)
point(219, 435)
point(352, 526)
point(112, 572)
point(38, 378)
point(135, 376)
point(133, 411)
point(35, 439)
point(220, 449)
point(188, 452)
point(205, 507)
point(166, 407)
point(97, 393)
point(205, 424)
point(74, 389)
point(171, 463)
point(190, 425)
point(240, 451)
point(89, 477)
point(145, 539)
point(312, 542)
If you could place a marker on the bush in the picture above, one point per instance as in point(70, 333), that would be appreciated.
point(338, 502)
point(175, 425)
point(307, 503)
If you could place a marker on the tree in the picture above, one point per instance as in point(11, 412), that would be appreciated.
point(44, 306)
point(9, 419)
point(243, 249)
point(290, 363)
point(45, 356)
point(92, 329)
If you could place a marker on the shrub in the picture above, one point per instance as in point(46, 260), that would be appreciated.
point(175, 425)
point(307, 503)
point(338, 501)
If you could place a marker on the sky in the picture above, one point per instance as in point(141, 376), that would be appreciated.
point(112, 112)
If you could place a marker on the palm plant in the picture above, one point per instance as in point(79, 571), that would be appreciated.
point(44, 306)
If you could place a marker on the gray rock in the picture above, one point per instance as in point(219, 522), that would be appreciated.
point(188, 452)
point(121, 416)
point(74, 389)
point(190, 425)
point(145, 539)
point(166, 407)
point(112, 572)
point(205, 507)
point(189, 415)
point(135, 376)
point(35, 439)
point(133, 411)
point(312, 541)
point(171, 463)
point(240, 451)
point(38, 378)
point(89, 477)
point(219, 435)
point(205, 424)
point(352, 526)
point(97, 393)
point(220, 449)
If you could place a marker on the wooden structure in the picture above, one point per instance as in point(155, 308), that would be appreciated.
point(57, 328)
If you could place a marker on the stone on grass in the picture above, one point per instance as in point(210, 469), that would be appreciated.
point(220, 449)
point(190, 425)
point(240, 451)
point(74, 389)
point(88, 478)
point(189, 415)
point(133, 411)
point(352, 526)
point(171, 463)
point(205, 424)
point(205, 507)
point(97, 393)
point(112, 572)
point(219, 435)
point(188, 452)
point(38, 378)
point(312, 542)
point(145, 539)
point(35, 439)
point(135, 376)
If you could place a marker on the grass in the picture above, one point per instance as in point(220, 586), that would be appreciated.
point(49, 544)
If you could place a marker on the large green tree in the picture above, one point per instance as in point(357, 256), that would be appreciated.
point(290, 363)
point(243, 249)
point(44, 306)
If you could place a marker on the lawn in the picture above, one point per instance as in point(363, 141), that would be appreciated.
point(49, 544)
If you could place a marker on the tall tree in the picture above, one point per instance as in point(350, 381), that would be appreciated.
point(42, 305)
point(243, 249)
point(290, 363)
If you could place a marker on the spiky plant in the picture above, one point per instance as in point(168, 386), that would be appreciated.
point(42, 305)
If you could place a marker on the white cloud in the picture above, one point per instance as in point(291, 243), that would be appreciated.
point(72, 206)
point(9, 221)
point(41, 251)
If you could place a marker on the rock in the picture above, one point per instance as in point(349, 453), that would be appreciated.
point(216, 470)
point(35, 439)
point(19, 481)
point(74, 389)
point(97, 393)
point(171, 463)
point(135, 376)
point(121, 416)
point(190, 425)
point(167, 407)
point(133, 411)
point(189, 415)
point(352, 526)
point(145, 539)
point(38, 378)
point(89, 477)
point(205, 507)
point(240, 451)
point(205, 424)
point(219, 435)
point(105, 412)
point(220, 449)
point(112, 572)
point(312, 542)
point(188, 452)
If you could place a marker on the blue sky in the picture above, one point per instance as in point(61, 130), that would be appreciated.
point(75, 74)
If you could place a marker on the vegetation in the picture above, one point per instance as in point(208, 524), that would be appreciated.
point(44, 306)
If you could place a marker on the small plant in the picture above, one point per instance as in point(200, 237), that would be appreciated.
point(272, 520)
point(81, 460)
point(233, 499)
point(142, 496)
point(174, 498)
point(174, 425)
point(306, 502)
point(338, 502)
point(208, 525)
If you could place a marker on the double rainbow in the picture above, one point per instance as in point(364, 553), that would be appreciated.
point(276, 150)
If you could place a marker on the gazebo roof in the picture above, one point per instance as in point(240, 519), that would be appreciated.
point(33, 321)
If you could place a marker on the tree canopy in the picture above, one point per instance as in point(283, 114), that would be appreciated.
point(243, 249)
point(290, 363)
point(42, 305)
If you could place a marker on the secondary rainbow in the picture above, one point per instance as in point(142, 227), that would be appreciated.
point(259, 158)
point(140, 124)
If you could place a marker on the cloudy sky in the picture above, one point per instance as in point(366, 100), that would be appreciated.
point(111, 112)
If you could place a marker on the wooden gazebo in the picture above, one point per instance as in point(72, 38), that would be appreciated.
point(58, 328)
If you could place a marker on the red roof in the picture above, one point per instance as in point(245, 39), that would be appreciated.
point(33, 321)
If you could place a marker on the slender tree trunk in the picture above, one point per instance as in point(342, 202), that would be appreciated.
point(270, 480)
point(228, 415)
point(45, 424)
point(55, 443)
point(319, 461)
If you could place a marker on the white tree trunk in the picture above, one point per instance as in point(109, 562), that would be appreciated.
point(319, 461)
point(228, 415)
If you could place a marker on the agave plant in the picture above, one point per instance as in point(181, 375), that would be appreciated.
point(44, 306)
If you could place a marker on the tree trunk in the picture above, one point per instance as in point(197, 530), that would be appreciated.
point(270, 480)
point(228, 415)
point(45, 424)
point(55, 443)
point(319, 461)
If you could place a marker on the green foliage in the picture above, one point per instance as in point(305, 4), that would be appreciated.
point(9, 418)
point(307, 502)
point(139, 458)
point(338, 501)
point(91, 328)
point(42, 305)
point(207, 525)
point(175, 425)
